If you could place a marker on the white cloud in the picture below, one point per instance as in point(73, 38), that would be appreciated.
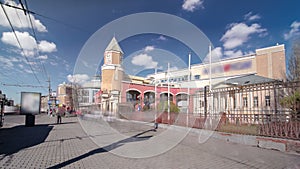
point(78, 78)
point(27, 42)
point(43, 57)
point(251, 17)
point(217, 52)
point(233, 54)
point(174, 68)
point(149, 48)
point(144, 60)
point(216, 55)
point(161, 37)
point(249, 53)
point(48, 47)
point(191, 5)
point(53, 63)
point(295, 30)
point(19, 19)
point(239, 33)
point(29, 53)
point(6, 63)
point(21, 66)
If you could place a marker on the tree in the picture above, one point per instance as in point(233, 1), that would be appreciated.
point(76, 94)
point(291, 100)
point(163, 106)
point(293, 69)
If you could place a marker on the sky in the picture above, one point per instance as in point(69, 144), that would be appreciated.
point(64, 40)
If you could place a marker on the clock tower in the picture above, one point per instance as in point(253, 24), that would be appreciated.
point(112, 71)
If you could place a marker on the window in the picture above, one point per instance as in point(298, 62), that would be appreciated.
point(185, 78)
point(245, 102)
point(197, 77)
point(255, 101)
point(201, 103)
point(234, 102)
point(232, 95)
point(268, 101)
point(128, 97)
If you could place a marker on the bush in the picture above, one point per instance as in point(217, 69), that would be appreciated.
point(145, 108)
point(163, 107)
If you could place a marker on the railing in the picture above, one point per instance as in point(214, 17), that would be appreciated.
point(280, 125)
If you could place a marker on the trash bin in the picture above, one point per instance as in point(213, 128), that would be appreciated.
point(29, 120)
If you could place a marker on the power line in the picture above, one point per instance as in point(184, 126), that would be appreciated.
point(19, 43)
point(23, 85)
point(35, 37)
point(5, 74)
point(49, 18)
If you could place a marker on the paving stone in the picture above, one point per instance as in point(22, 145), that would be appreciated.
point(67, 145)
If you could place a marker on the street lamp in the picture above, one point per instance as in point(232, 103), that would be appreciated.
point(168, 79)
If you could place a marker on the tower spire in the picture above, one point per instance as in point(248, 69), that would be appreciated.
point(114, 46)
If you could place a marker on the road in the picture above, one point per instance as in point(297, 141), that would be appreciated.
point(95, 143)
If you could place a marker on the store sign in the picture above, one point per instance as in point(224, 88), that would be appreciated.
point(228, 67)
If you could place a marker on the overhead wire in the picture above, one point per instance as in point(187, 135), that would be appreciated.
point(8, 76)
point(18, 16)
point(23, 85)
point(18, 41)
point(27, 11)
point(35, 37)
point(46, 17)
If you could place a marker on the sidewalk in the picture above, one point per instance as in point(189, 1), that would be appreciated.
point(44, 145)
point(66, 145)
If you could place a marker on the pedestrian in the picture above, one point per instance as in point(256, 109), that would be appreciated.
point(155, 123)
point(60, 112)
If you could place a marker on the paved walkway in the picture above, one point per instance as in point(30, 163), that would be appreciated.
point(118, 145)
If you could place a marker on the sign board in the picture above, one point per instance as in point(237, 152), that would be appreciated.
point(30, 103)
point(114, 92)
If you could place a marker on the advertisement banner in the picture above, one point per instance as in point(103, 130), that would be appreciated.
point(30, 103)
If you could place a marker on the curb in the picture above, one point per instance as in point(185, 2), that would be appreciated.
point(283, 145)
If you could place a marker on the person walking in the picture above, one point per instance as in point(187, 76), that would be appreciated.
point(60, 112)
point(155, 122)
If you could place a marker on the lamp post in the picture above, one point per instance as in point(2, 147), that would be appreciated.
point(168, 79)
point(188, 96)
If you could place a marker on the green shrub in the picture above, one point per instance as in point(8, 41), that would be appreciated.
point(145, 108)
point(163, 107)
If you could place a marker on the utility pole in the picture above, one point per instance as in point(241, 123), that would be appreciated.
point(49, 95)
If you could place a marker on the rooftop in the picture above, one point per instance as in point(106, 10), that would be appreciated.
point(114, 46)
point(248, 79)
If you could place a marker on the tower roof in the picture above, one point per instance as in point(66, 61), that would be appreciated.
point(114, 46)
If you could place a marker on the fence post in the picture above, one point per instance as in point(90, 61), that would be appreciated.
point(205, 101)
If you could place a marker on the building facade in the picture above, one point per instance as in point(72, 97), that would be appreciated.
point(187, 88)
point(267, 62)
point(65, 95)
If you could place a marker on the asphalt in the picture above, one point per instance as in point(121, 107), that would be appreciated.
point(108, 143)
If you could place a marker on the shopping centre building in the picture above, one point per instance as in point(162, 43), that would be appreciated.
point(245, 84)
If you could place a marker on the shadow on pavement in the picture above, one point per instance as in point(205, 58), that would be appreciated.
point(107, 148)
point(64, 123)
point(20, 137)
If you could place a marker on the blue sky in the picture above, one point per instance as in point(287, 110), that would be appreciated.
point(64, 27)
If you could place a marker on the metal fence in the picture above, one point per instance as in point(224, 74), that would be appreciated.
point(256, 106)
